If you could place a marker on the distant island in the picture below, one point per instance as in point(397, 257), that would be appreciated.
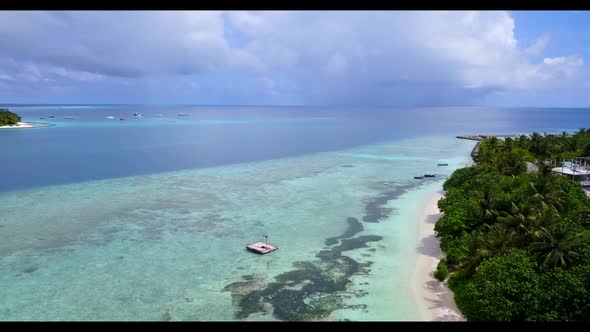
point(10, 120)
point(516, 232)
point(7, 118)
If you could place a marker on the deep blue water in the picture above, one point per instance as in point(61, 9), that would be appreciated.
point(90, 146)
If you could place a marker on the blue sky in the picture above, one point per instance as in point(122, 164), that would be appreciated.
point(486, 58)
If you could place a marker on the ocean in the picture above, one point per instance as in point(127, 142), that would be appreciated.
point(147, 218)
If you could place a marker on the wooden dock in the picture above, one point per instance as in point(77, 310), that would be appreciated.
point(261, 247)
point(471, 137)
point(480, 137)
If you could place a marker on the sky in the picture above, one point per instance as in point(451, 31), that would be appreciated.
point(363, 58)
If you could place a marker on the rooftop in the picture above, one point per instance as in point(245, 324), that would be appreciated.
point(569, 171)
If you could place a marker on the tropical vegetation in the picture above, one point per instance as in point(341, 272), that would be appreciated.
point(517, 239)
point(8, 118)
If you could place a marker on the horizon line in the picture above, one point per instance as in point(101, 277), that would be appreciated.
point(283, 105)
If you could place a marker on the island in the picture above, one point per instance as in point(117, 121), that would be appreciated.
point(515, 230)
point(10, 120)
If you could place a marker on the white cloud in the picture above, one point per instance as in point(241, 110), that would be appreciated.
point(367, 56)
point(341, 53)
point(76, 75)
point(539, 46)
point(573, 60)
point(567, 67)
point(118, 43)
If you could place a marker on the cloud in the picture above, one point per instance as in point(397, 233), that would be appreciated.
point(342, 57)
point(563, 60)
point(539, 46)
point(124, 44)
point(366, 57)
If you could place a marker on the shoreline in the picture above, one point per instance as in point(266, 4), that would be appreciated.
point(22, 125)
point(435, 297)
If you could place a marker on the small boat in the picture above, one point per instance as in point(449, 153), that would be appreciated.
point(121, 119)
point(110, 117)
point(443, 164)
point(138, 115)
point(418, 177)
point(42, 118)
point(51, 116)
point(429, 175)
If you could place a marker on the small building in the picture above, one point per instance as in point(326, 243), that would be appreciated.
point(578, 169)
point(575, 174)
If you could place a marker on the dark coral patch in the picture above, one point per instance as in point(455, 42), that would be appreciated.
point(30, 269)
point(375, 210)
point(354, 227)
point(312, 290)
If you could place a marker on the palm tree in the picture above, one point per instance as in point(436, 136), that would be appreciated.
point(494, 142)
point(536, 141)
point(508, 144)
point(524, 223)
point(545, 189)
point(558, 245)
point(488, 204)
point(523, 142)
point(499, 240)
point(512, 217)
point(474, 253)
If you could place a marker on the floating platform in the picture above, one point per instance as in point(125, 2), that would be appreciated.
point(261, 247)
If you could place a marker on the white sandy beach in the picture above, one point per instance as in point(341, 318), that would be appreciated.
point(20, 125)
point(436, 297)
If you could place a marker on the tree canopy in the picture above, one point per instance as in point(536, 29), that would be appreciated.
point(517, 241)
point(8, 118)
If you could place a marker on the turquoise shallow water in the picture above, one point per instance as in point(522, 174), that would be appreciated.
point(170, 246)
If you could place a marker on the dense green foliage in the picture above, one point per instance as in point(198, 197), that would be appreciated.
point(441, 272)
point(8, 118)
point(517, 242)
point(535, 147)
